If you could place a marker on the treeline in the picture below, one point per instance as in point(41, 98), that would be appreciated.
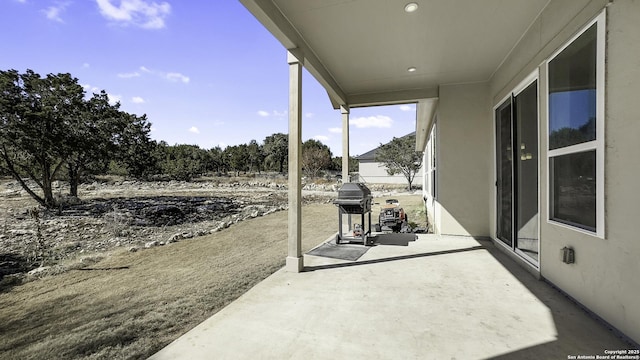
point(186, 162)
point(50, 130)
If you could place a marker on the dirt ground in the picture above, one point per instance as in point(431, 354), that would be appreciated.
point(118, 293)
point(123, 214)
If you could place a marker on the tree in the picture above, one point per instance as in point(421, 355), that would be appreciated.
point(237, 157)
point(315, 157)
point(182, 162)
point(568, 136)
point(215, 160)
point(400, 157)
point(37, 119)
point(255, 156)
point(135, 149)
point(46, 125)
point(336, 164)
point(103, 133)
point(88, 148)
point(276, 150)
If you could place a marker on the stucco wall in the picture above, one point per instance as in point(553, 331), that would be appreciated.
point(605, 275)
point(376, 173)
point(557, 22)
point(464, 160)
point(621, 264)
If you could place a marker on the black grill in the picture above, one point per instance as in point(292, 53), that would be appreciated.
point(354, 198)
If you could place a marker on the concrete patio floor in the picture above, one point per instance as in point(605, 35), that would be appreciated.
point(438, 297)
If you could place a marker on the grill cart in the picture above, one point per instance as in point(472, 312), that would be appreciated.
point(354, 199)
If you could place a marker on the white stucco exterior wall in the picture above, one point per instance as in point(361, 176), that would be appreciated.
point(464, 160)
point(605, 276)
point(376, 173)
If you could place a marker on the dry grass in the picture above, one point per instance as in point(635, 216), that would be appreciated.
point(130, 305)
point(412, 205)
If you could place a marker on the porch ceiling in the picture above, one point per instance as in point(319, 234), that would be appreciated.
point(360, 50)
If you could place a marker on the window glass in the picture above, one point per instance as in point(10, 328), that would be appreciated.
point(572, 92)
point(574, 189)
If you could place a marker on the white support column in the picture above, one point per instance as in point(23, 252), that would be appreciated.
point(295, 259)
point(344, 109)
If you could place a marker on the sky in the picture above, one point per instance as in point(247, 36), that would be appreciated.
point(205, 73)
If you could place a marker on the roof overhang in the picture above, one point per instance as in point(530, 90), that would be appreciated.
point(373, 52)
point(275, 21)
point(425, 117)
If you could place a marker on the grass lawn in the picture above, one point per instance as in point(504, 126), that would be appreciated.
point(130, 305)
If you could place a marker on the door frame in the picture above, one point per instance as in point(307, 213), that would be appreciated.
point(530, 79)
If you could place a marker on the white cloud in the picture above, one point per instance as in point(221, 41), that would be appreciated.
point(152, 128)
point(407, 107)
point(90, 89)
point(177, 77)
point(275, 113)
point(378, 121)
point(321, 138)
point(145, 14)
point(129, 75)
point(22, 1)
point(53, 12)
point(113, 99)
point(86, 65)
point(194, 130)
point(137, 100)
point(171, 76)
point(309, 115)
point(335, 130)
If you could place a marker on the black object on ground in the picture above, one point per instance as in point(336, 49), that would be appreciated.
point(396, 239)
point(342, 251)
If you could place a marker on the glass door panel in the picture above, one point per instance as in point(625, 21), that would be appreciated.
point(526, 160)
point(504, 176)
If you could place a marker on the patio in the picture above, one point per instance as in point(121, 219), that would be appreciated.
point(438, 297)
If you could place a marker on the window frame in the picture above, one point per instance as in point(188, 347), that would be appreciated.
point(598, 144)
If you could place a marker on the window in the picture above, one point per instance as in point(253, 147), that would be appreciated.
point(576, 131)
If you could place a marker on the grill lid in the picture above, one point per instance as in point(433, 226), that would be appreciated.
point(354, 191)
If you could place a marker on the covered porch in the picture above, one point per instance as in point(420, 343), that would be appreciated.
point(439, 297)
point(483, 73)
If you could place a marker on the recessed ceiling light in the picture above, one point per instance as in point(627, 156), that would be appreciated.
point(411, 69)
point(411, 7)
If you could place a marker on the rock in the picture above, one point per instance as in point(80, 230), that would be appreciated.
point(21, 232)
point(180, 236)
point(133, 249)
point(151, 244)
point(38, 270)
point(11, 193)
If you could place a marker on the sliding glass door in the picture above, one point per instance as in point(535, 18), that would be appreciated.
point(504, 162)
point(526, 119)
point(517, 172)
